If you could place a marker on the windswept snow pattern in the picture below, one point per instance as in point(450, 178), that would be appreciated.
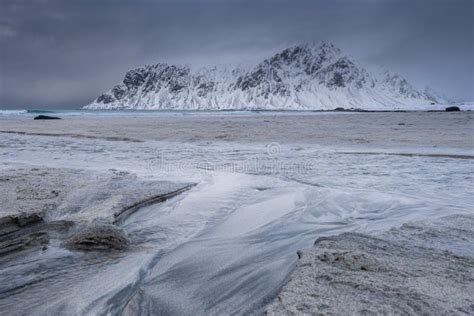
point(304, 77)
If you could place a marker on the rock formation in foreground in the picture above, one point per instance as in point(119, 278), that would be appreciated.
point(304, 77)
point(424, 268)
point(78, 208)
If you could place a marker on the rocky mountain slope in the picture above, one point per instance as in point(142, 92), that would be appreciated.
point(298, 78)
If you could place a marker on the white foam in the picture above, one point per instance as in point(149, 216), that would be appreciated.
point(12, 112)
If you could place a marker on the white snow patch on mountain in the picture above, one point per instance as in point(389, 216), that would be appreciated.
point(303, 77)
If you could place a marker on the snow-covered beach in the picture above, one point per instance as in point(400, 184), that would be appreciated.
point(216, 205)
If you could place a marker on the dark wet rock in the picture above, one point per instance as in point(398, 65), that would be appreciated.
point(453, 109)
point(21, 231)
point(24, 219)
point(16, 241)
point(99, 237)
point(16, 222)
point(46, 117)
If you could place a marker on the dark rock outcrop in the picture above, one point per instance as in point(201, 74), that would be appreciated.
point(46, 117)
point(99, 237)
point(22, 231)
point(453, 109)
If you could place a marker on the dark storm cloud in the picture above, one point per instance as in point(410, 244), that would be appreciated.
point(65, 53)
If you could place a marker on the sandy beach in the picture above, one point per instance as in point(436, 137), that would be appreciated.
point(391, 130)
point(215, 214)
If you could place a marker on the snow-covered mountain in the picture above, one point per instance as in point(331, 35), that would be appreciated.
point(297, 78)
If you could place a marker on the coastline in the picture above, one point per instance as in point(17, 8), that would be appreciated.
point(381, 129)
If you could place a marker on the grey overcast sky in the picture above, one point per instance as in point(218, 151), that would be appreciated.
point(63, 54)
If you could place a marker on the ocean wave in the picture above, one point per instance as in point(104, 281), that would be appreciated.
point(12, 112)
point(39, 111)
point(23, 112)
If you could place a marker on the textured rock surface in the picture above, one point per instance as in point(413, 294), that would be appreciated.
point(419, 268)
point(99, 237)
point(299, 77)
point(73, 194)
point(36, 203)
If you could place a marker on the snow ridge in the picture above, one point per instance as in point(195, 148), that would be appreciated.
point(302, 77)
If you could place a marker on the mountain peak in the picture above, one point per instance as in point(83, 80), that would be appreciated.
point(310, 50)
point(326, 47)
point(304, 76)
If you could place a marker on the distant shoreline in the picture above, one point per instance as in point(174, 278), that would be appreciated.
point(36, 111)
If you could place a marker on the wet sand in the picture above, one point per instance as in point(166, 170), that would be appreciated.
point(205, 214)
point(402, 130)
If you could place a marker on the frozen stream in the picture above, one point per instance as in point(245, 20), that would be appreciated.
point(227, 245)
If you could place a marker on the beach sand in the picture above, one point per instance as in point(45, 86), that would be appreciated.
point(403, 129)
point(419, 268)
point(204, 214)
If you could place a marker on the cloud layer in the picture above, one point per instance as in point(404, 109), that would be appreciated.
point(62, 54)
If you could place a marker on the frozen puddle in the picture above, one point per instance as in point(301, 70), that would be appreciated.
point(223, 268)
